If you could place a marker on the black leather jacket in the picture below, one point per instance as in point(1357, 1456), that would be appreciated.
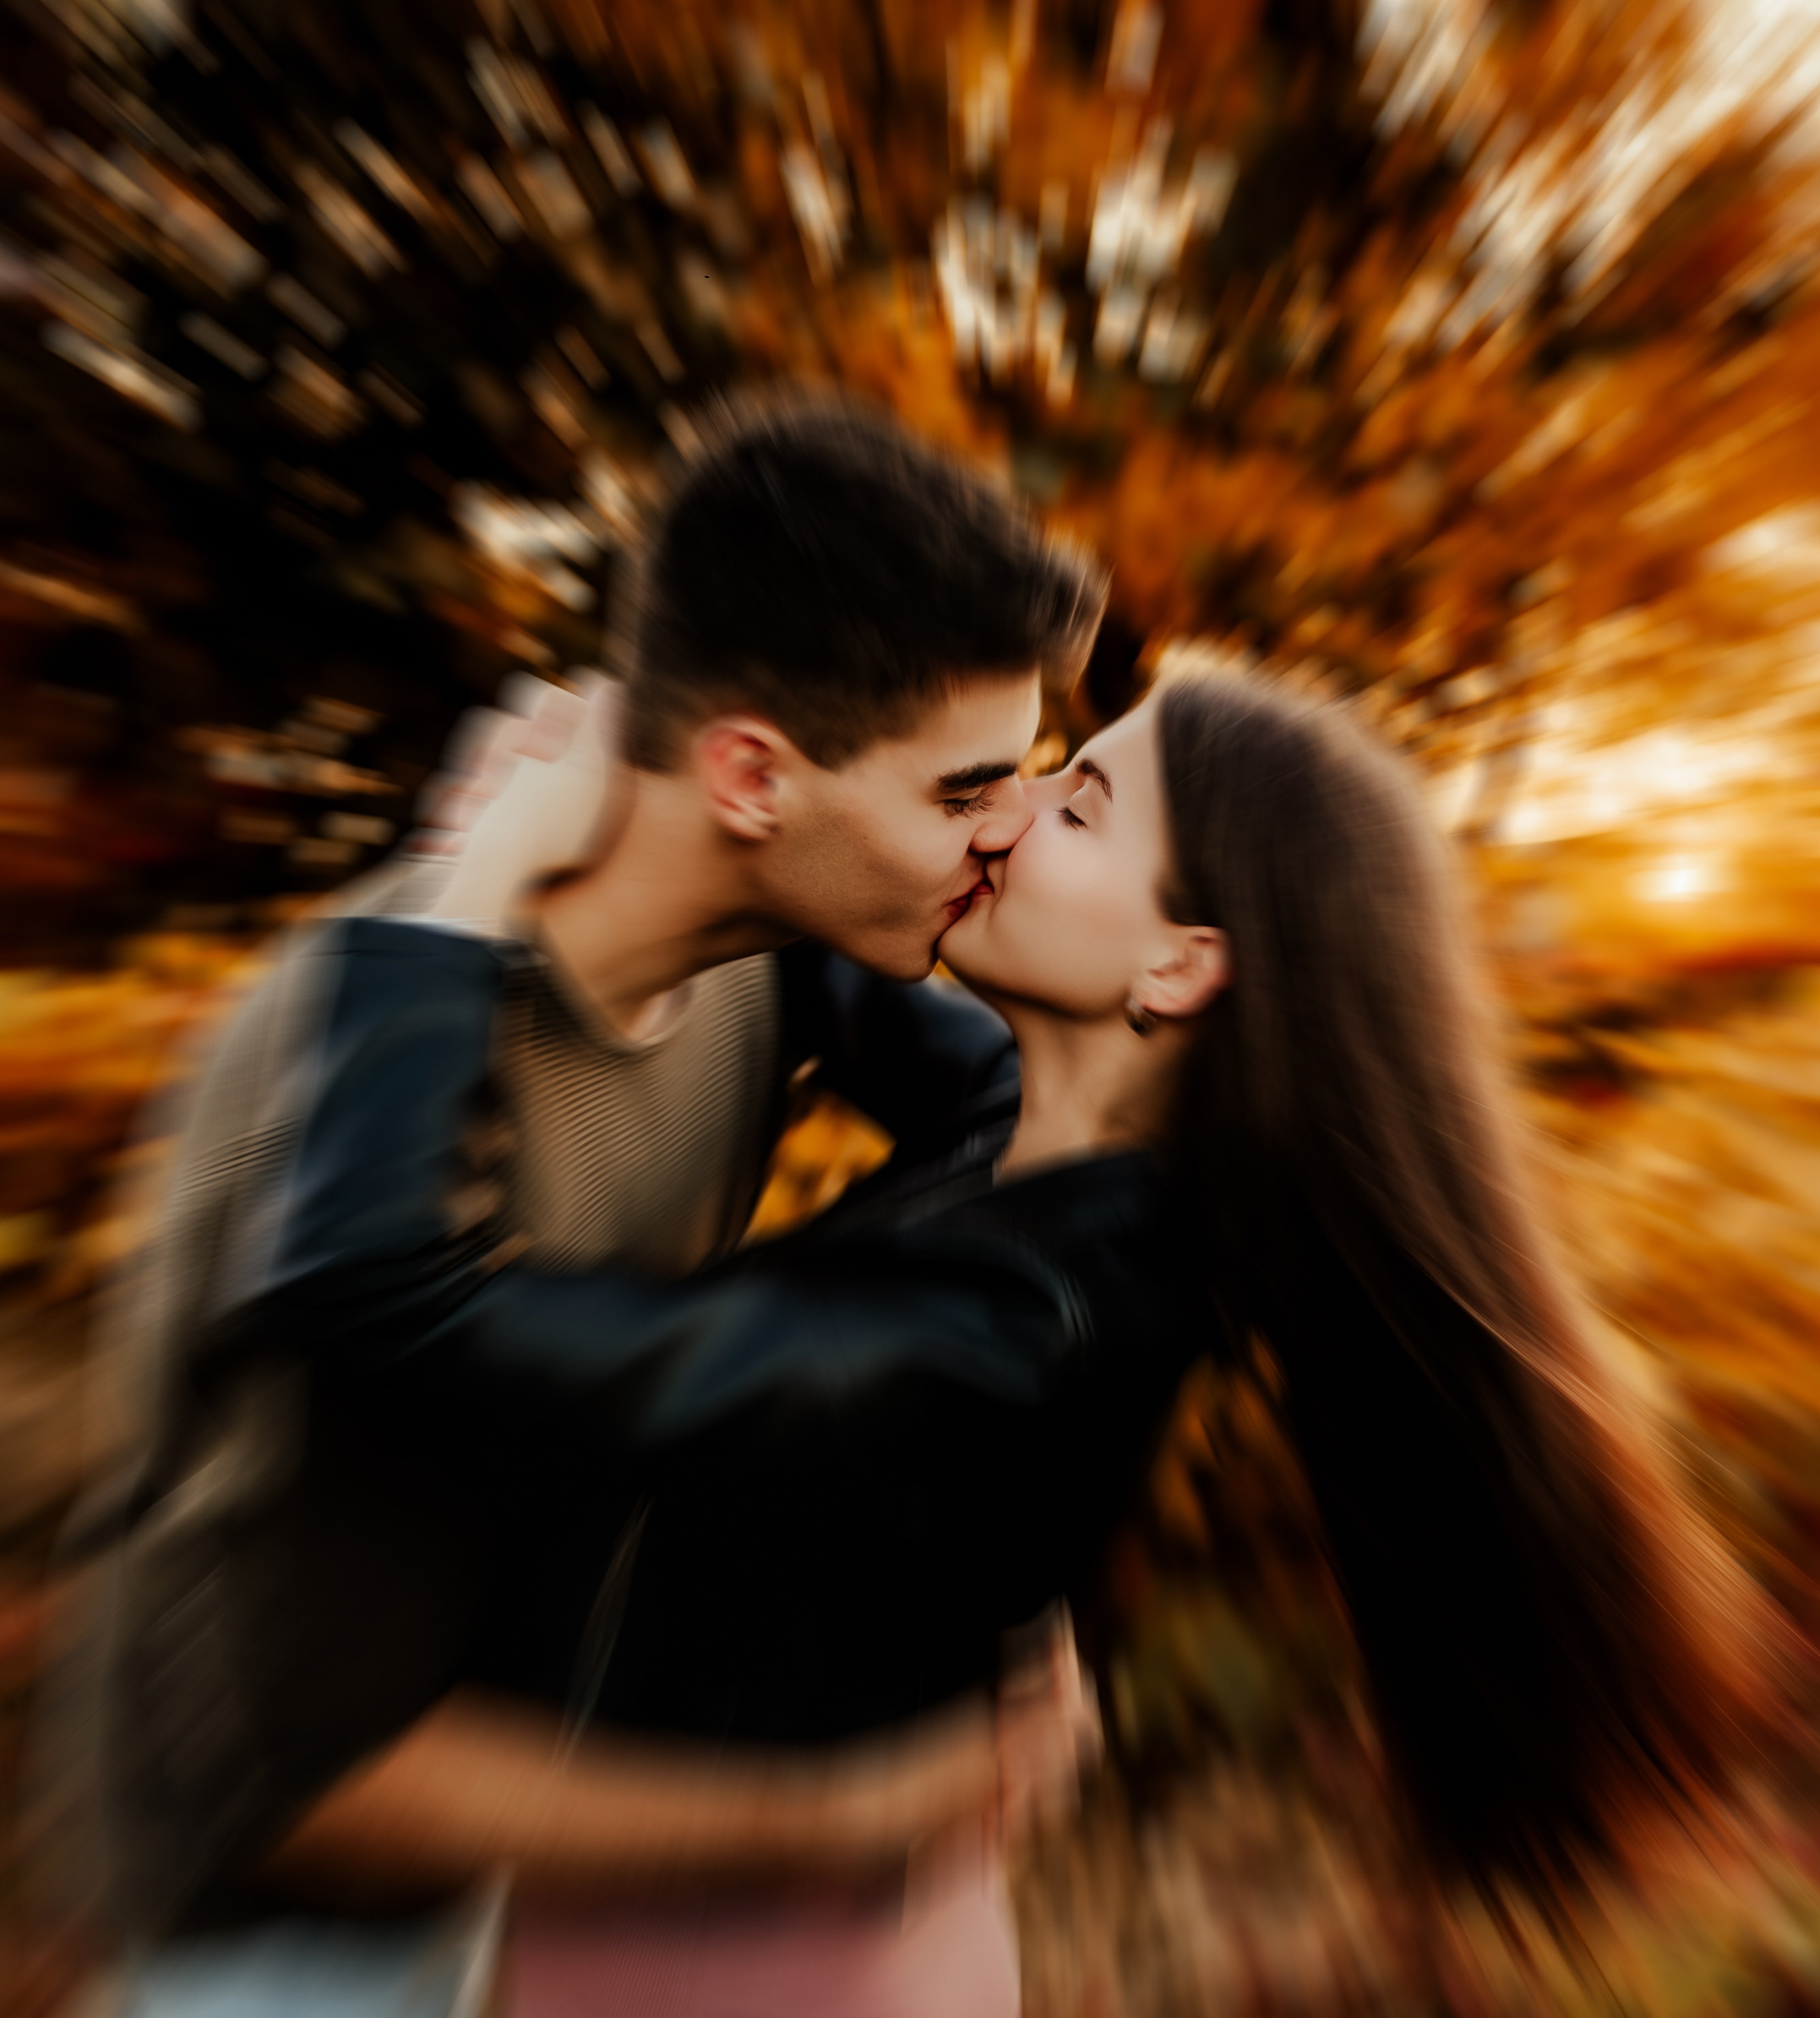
point(869, 1448)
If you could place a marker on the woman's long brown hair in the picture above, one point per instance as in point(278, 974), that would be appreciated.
point(1551, 1636)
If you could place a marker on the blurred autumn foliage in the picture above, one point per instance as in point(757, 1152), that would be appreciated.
point(1461, 356)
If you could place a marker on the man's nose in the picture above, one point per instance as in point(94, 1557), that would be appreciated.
point(1010, 814)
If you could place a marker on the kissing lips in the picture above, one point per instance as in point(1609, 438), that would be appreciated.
point(957, 907)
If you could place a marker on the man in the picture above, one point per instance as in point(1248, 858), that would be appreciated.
point(839, 645)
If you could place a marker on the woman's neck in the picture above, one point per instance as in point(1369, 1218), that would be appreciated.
point(1090, 1089)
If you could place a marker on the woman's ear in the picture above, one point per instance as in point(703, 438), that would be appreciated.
point(738, 758)
point(1199, 969)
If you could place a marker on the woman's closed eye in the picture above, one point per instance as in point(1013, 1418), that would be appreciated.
point(1070, 817)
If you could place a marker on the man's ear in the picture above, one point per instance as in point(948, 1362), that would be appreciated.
point(742, 760)
point(1198, 967)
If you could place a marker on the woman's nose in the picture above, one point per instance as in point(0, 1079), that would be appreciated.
point(1010, 814)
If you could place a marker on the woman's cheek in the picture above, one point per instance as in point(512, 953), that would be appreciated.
point(1054, 894)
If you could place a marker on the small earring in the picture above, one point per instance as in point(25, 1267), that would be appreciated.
point(1141, 1020)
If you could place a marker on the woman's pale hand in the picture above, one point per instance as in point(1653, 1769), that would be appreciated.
point(531, 789)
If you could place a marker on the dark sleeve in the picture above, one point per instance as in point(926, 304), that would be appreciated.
point(923, 1059)
point(452, 1403)
point(372, 1279)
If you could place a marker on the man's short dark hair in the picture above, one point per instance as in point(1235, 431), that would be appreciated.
point(817, 565)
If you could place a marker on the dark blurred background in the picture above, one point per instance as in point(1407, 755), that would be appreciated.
point(1460, 355)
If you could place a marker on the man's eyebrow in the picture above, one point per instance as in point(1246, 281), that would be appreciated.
point(973, 776)
point(1087, 768)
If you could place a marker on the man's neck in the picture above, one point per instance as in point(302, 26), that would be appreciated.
point(673, 898)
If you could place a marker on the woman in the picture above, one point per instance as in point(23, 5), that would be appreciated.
point(1548, 1633)
point(1256, 1098)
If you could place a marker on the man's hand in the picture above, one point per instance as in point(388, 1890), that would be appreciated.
point(477, 1783)
point(1046, 1734)
point(1049, 1730)
point(530, 789)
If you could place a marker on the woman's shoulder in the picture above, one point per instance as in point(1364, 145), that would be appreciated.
point(1100, 1239)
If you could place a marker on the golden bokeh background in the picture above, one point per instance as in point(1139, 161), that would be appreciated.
point(1461, 356)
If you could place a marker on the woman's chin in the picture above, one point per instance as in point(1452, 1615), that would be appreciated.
point(958, 947)
point(968, 957)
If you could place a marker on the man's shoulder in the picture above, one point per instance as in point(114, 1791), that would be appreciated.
point(277, 1010)
point(403, 886)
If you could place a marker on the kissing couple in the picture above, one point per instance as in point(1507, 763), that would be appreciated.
point(494, 1508)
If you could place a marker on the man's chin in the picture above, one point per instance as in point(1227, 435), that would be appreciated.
point(900, 963)
point(909, 955)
